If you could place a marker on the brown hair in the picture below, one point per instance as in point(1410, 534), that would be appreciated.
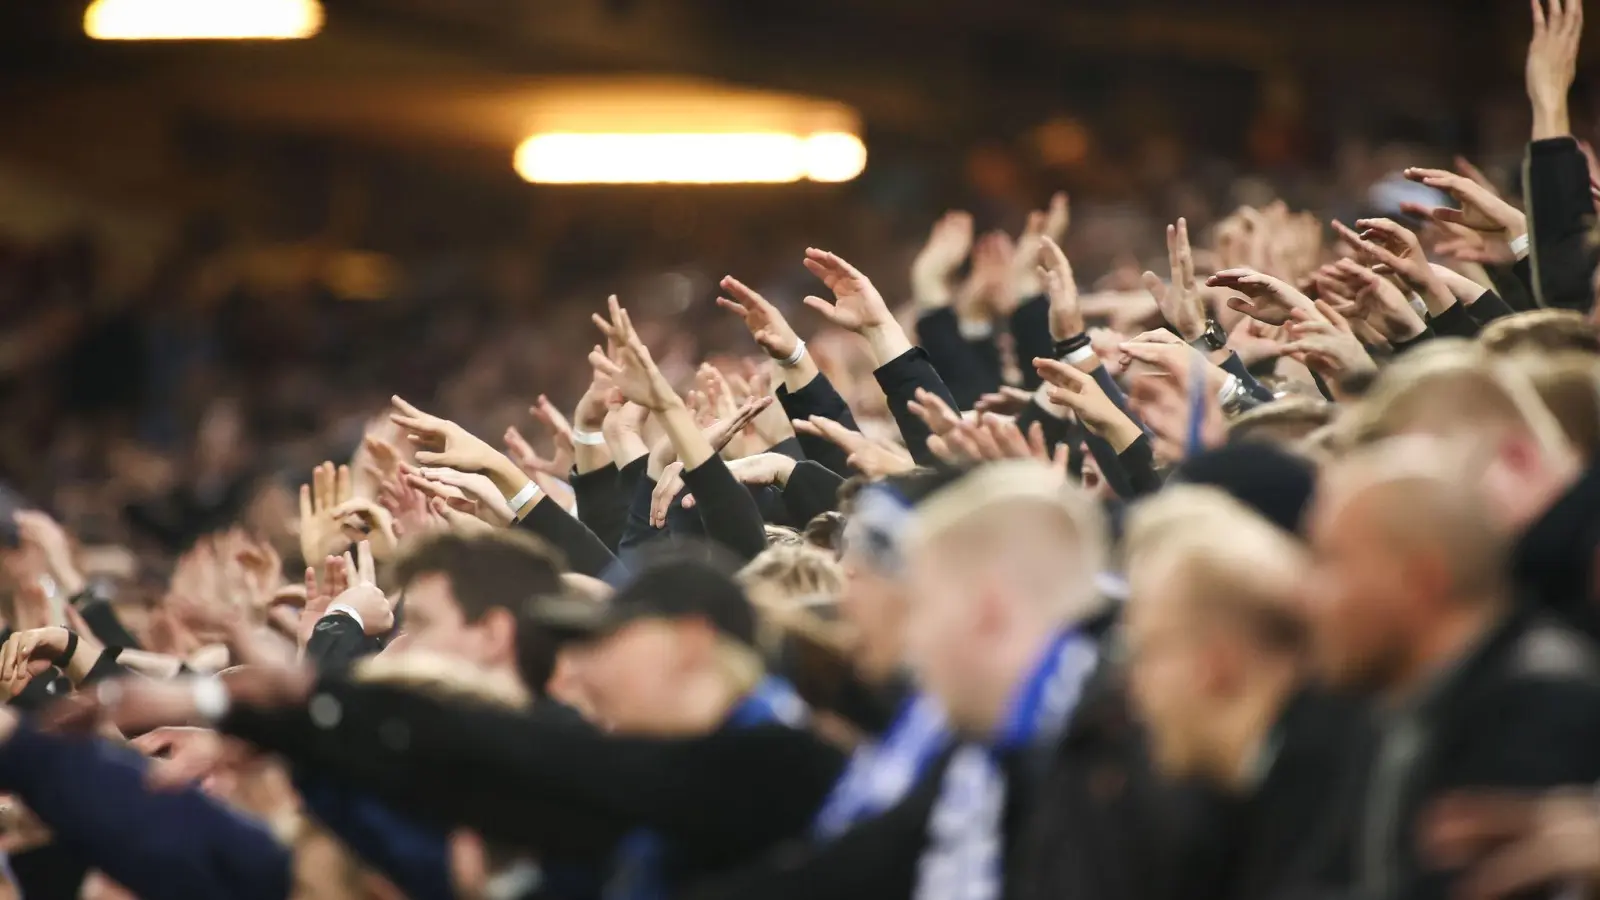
point(487, 570)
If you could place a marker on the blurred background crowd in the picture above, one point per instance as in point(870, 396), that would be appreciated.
point(218, 259)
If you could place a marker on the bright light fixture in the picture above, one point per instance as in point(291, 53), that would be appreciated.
point(668, 158)
point(171, 20)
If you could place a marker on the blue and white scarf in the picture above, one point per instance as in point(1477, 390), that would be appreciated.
point(881, 772)
point(639, 867)
point(965, 841)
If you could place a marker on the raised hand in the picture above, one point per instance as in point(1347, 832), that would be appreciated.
point(1180, 302)
point(1266, 299)
point(1055, 272)
point(1553, 64)
point(486, 502)
point(871, 458)
point(934, 412)
point(947, 247)
point(1041, 226)
point(559, 463)
point(36, 530)
point(29, 653)
point(182, 755)
point(1328, 346)
point(629, 365)
point(322, 531)
point(362, 594)
point(1382, 304)
point(1386, 242)
point(378, 522)
point(767, 325)
point(763, 468)
point(1481, 209)
point(441, 442)
point(857, 305)
point(1079, 392)
point(668, 486)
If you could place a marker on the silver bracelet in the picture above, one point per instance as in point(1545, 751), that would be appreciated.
point(794, 358)
point(1232, 395)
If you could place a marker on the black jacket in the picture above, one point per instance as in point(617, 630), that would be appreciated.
point(1554, 560)
point(1522, 711)
point(1560, 214)
point(548, 782)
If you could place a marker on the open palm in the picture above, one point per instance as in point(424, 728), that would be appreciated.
point(857, 304)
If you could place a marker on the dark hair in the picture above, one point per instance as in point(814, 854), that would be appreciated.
point(491, 570)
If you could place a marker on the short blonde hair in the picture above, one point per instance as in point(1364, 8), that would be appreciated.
point(443, 677)
point(1453, 389)
point(1569, 385)
point(1235, 565)
point(1540, 331)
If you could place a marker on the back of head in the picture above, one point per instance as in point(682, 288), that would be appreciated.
point(1272, 481)
point(487, 570)
point(1540, 331)
point(1453, 390)
point(1569, 385)
point(1207, 558)
point(1282, 422)
point(788, 572)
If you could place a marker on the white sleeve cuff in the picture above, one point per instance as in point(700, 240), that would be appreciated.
point(1519, 246)
point(348, 610)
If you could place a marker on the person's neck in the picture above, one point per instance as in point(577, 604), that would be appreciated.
point(1445, 641)
point(706, 700)
point(1011, 663)
point(1244, 729)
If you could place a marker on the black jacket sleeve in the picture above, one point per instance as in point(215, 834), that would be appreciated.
point(602, 504)
point(101, 617)
point(1488, 307)
point(1455, 322)
point(1138, 463)
point(585, 553)
point(1425, 335)
point(1560, 213)
point(900, 377)
point(1511, 282)
point(811, 491)
point(1030, 335)
point(731, 515)
point(818, 398)
point(518, 776)
point(966, 366)
point(337, 641)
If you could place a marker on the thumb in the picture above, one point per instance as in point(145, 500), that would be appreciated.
point(826, 309)
point(1156, 287)
point(430, 458)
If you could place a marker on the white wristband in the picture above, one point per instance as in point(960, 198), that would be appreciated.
point(1519, 246)
point(1418, 305)
point(211, 700)
point(588, 438)
point(794, 358)
point(348, 610)
point(1082, 354)
point(522, 497)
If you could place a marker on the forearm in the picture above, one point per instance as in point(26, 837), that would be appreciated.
point(886, 342)
point(690, 443)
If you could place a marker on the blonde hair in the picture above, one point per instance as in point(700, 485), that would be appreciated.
point(1540, 331)
point(786, 584)
point(1452, 390)
point(1234, 564)
point(1569, 385)
point(1282, 422)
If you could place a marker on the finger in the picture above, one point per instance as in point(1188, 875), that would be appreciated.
point(1185, 253)
point(1036, 442)
point(321, 488)
point(343, 487)
point(305, 504)
point(804, 426)
point(406, 409)
point(838, 434)
point(1513, 870)
point(940, 448)
point(824, 308)
point(1156, 287)
point(311, 584)
point(1459, 826)
point(366, 568)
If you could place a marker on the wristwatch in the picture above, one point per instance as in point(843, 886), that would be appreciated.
point(1212, 339)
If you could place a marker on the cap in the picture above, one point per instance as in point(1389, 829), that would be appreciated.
point(673, 589)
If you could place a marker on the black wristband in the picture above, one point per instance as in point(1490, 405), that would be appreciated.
point(72, 647)
point(1071, 345)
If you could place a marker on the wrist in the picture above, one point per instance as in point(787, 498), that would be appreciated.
point(507, 478)
point(887, 340)
point(783, 470)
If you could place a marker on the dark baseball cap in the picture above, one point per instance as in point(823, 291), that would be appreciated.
point(666, 589)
